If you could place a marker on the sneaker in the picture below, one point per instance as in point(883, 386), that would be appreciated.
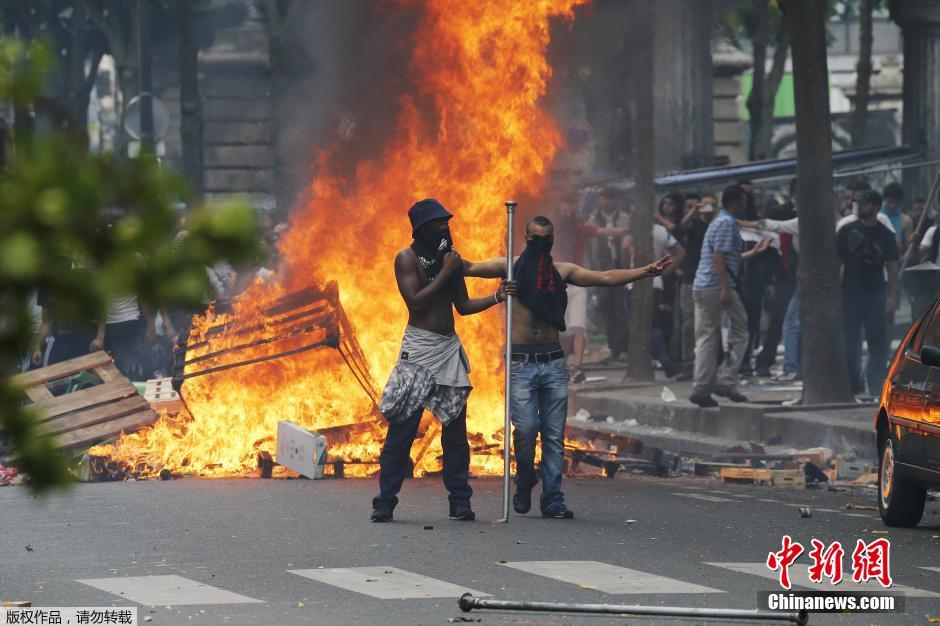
point(462, 512)
point(684, 376)
point(558, 510)
point(732, 394)
point(704, 400)
point(576, 376)
point(522, 500)
point(382, 514)
point(786, 378)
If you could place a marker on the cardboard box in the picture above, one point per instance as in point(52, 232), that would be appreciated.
point(301, 450)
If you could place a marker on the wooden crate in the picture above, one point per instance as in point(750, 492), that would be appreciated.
point(747, 475)
point(87, 416)
point(162, 397)
point(789, 479)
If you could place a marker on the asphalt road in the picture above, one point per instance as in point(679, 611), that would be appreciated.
point(245, 537)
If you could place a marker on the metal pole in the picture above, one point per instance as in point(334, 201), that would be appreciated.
point(467, 603)
point(507, 427)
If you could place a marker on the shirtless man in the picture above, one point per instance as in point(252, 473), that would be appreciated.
point(539, 377)
point(432, 369)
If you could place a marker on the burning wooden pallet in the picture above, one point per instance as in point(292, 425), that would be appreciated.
point(305, 320)
point(85, 400)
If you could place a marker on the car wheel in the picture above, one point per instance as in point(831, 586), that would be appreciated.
point(900, 502)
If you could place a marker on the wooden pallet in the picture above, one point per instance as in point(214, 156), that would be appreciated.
point(745, 475)
point(789, 479)
point(90, 415)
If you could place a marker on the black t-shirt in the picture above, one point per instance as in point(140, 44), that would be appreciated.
point(864, 251)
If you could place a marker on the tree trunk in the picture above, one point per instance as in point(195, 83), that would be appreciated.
point(825, 375)
point(755, 100)
point(762, 142)
point(191, 122)
point(862, 73)
point(639, 354)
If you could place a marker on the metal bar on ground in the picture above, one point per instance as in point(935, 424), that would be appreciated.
point(467, 603)
point(507, 428)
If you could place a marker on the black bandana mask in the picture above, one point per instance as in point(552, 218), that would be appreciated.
point(541, 288)
point(539, 245)
point(431, 250)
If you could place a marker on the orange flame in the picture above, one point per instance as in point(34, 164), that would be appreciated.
point(483, 70)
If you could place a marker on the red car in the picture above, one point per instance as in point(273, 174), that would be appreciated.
point(908, 424)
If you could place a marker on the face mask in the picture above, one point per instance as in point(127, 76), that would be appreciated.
point(538, 244)
point(439, 242)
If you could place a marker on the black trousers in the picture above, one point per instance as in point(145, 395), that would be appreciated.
point(866, 310)
point(615, 310)
point(395, 461)
point(783, 291)
point(124, 341)
point(70, 345)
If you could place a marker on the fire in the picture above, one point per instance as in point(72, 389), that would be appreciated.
point(482, 70)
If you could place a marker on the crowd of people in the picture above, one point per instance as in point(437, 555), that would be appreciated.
point(728, 301)
point(140, 338)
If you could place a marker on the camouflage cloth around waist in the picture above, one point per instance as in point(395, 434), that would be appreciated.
point(431, 373)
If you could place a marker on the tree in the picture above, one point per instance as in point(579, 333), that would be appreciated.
point(824, 368)
point(56, 235)
point(191, 123)
point(760, 102)
point(639, 355)
point(862, 71)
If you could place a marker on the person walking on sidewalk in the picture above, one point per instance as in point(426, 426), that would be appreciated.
point(432, 372)
point(717, 289)
point(539, 399)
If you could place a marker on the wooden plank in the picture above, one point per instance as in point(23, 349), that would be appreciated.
point(108, 373)
point(745, 475)
point(63, 369)
point(39, 393)
point(96, 415)
point(100, 432)
point(85, 398)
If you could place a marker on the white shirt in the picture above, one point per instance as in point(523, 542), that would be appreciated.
point(784, 227)
point(662, 242)
point(927, 241)
point(123, 310)
point(884, 219)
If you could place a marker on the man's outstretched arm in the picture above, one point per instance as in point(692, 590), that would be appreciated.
point(494, 268)
point(577, 275)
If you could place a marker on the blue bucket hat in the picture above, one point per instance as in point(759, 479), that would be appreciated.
point(425, 211)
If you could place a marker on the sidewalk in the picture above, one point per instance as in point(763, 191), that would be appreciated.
point(639, 410)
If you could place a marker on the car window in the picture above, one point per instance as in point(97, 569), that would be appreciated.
point(929, 333)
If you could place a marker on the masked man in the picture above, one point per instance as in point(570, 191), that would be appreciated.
point(432, 369)
point(539, 376)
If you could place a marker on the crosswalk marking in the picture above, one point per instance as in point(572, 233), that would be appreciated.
point(932, 569)
point(607, 578)
point(699, 496)
point(162, 590)
point(386, 583)
point(799, 576)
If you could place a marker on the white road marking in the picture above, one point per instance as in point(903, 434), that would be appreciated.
point(799, 576)
point(698, 496)
point(166, 590)
point(857, 515)
point(386, 583)
point(932, 569)
point(607, 578)
point(768, 500)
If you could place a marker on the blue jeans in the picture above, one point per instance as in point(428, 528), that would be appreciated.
point(791, 337)
point(540, 406)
